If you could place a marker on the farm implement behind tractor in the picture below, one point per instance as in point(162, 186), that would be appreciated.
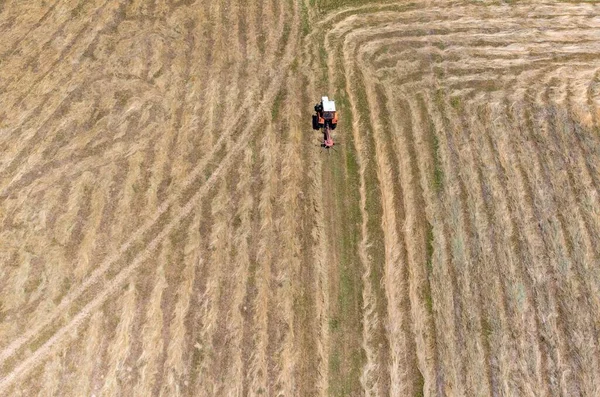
point(326, 119)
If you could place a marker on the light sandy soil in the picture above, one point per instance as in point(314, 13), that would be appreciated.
point(169, 225)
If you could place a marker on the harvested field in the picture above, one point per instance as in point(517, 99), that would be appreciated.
point(169, 225)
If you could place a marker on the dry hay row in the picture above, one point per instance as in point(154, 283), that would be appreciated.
point(287, 45)
point(476, 242)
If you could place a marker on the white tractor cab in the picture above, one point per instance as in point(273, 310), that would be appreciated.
point(326, 115)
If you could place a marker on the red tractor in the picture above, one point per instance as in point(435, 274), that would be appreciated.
point(325, 118)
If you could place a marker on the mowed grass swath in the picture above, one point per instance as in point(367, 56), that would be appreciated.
point(170, 226)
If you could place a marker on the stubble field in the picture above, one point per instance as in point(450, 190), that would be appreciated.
point(170, 226)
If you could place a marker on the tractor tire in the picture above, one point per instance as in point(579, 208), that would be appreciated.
point(315, 122)
point(332, 126)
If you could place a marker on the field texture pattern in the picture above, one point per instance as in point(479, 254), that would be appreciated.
point(169, 225)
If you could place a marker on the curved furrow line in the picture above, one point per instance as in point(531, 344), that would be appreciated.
point(279, 316)
point(371, 323)
point(593, 104)
point(536, 221)
point(587, 147)
point(306, 314)
point(59, 226)
point(87, 238)
point(268, 32)
point(15, 288)
point(180, 67)
point(128, 373)
point(194, 320)
point(220, 359)
point(465, 249)
point(579, 173)
point(129, 197)
point(215, 54)
point(438, 294)
point(173, 271)
point(248, 313)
